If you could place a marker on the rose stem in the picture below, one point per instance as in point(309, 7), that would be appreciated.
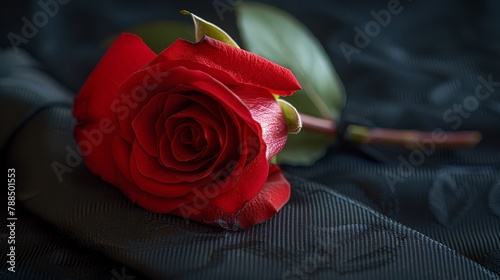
point(407, 138)
point(412, 138)
point(328, 127)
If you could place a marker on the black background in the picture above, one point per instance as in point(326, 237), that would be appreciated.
point(345, 217)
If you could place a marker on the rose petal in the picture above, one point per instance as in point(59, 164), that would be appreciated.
point(134, 93)
point(149, 201)
point(246, 185)
point(149, 166)
point(271, 198)
point(169, 146)
point(144, 124)
point(244, 67)
point(204, 84)
point(267, 112)
point(125, 56)
point(139, 166)
point(190, 145)
point(93, 105)
point(210, 133)
point(121, 155)
point(191, 80)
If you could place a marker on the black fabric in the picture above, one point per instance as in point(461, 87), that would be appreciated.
point(361, 212)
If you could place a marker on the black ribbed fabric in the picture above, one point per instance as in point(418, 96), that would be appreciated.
point(361, 212)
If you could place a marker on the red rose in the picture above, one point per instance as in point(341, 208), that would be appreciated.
point(189, 131)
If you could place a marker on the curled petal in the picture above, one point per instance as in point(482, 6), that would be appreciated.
point(272, 197)
point(93, 107)
point(94, 101)
point(267, 112)
point(144, 124)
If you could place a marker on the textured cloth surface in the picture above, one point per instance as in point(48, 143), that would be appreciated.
point(361, 212)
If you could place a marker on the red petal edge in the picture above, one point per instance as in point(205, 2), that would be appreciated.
point(125, 56)
point(96, 127)
point(273, 196)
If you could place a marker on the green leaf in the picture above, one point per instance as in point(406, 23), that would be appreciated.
point(159, 34)
point(205, 28)
point(292, 117)
point(279, 37)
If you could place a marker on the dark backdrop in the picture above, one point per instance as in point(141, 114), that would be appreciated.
point(360, 212)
